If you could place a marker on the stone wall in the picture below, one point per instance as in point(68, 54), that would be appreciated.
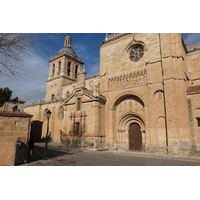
point(14, 126)
point(8, 106)
point(158, 79)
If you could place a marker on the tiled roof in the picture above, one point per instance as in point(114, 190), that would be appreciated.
point(15, 114)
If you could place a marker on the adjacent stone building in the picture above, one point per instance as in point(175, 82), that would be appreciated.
point(13, 104)
point(14, 126)
point(146, 98)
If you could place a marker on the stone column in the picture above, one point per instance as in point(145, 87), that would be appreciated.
point(97, 116)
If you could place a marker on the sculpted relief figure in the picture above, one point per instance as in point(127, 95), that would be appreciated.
point(97, 89)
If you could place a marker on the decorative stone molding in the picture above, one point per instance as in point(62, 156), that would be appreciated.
point(131, 79)
point(80, 118)
point(132, 43)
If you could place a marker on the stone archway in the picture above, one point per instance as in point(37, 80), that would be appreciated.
point(128, 109)
point(125, 133)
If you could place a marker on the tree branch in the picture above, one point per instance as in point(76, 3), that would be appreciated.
point(13, 46)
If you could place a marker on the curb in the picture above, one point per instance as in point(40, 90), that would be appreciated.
point(147, 155)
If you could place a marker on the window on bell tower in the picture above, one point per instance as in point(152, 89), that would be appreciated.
point(52, 97)
point(76, 71)
point(69, 69)
point(59, 67)
point(53, 70)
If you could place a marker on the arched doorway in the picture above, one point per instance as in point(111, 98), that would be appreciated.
point(135, 137)
point(128, 109)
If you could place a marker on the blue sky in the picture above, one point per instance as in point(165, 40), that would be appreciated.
point(85, 45)
point(31, 84)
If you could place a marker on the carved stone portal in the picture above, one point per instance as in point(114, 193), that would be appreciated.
point(129, 111)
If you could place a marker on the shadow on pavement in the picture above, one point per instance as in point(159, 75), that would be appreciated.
point(38, 153)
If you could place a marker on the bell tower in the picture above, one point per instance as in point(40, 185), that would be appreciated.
point(63, 70)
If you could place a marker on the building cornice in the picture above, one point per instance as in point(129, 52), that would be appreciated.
point(67, 55)
point(54, 78)
point(113, 37)
point(15, 114)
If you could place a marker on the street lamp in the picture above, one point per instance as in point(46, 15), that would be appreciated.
point(48, 114)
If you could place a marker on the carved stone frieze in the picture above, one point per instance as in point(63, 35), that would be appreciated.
point(131, 79)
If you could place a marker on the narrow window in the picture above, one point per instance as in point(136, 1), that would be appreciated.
point(67, 94)
point(78, 104)
point(53, 70)
point(76, 71)
point(52, 97)
point(59, 67)
point(198, 122)
point(69, 69)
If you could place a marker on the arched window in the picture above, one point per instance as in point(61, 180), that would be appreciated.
point(76, 71)
point(59, 67)
point(158, 95)
point(53, 70)
point(52, 97)
point(69, 69)
point(67, 94)
point(15, 108)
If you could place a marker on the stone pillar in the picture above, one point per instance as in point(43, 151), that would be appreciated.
point(81, 79)
point(178, 128)
point(97, 116)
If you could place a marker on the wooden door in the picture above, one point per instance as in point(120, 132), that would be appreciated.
point(135, 137)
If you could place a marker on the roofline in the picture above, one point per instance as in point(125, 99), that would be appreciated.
point(79, 60)
point(20, 101)
point(15, 114)
point(114, 38)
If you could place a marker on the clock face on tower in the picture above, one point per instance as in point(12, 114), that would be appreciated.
point(136, 53)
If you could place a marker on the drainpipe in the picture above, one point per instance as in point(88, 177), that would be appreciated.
point(164, 96)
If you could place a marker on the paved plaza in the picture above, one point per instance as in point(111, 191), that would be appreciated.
point(63, 156)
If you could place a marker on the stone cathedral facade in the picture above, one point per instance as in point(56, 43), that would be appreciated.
point(146, 97)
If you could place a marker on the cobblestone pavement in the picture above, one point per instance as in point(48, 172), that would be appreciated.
point(62, 156)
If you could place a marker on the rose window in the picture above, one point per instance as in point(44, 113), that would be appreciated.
point(136, 53)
